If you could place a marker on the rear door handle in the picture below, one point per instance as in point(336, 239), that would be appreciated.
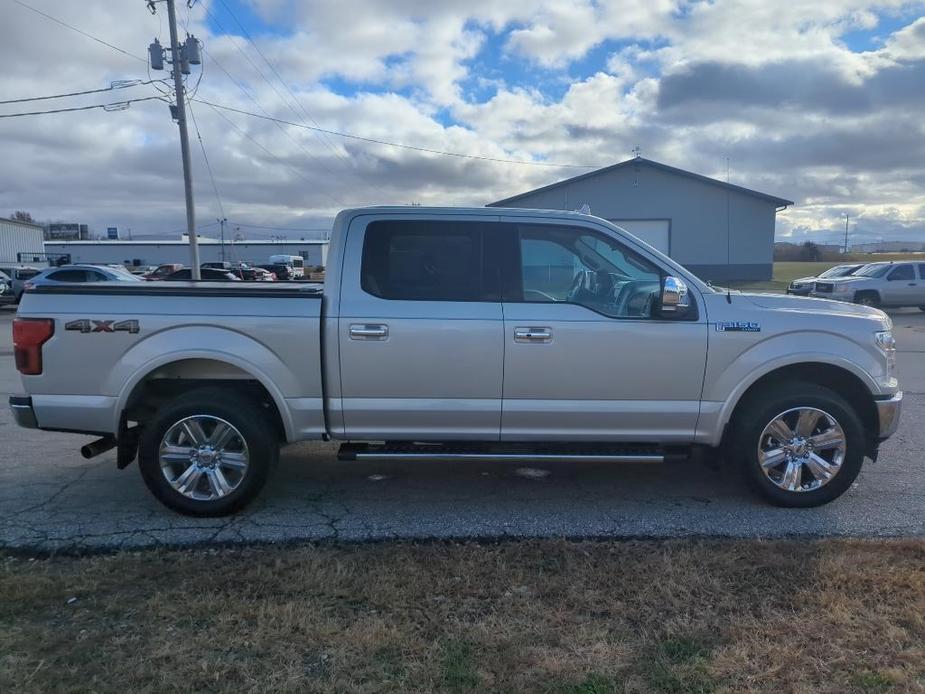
point(362, 331)
point(539, 335)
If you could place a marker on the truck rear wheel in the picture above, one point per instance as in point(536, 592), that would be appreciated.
point(208, 452)
point(799, 445)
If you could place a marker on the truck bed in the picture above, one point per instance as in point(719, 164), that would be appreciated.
point(111, 336)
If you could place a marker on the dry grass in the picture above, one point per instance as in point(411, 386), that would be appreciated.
point(594, 617)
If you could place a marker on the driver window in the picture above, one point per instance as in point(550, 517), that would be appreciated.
point(575, 265)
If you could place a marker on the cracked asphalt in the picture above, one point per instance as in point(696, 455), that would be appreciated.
point(51, 499)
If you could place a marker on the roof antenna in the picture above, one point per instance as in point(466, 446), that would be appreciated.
point(584, 209)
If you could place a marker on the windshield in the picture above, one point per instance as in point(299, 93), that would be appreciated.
point(874, 270)
point(839, 271)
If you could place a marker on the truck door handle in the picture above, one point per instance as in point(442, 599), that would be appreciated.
point(359, 331)
point(540, 335)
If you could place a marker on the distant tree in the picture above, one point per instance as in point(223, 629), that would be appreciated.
point(22, 216)
point(809, 251)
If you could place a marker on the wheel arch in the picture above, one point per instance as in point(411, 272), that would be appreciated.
point(174, 374)
point(837, 378)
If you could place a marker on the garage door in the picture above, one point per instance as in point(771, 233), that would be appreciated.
point(653, 231)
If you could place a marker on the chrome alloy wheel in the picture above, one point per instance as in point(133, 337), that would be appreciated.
point(802, 449)
point(203, 457)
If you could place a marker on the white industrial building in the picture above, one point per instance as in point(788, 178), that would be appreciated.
point(315, 252)
point(21, 242)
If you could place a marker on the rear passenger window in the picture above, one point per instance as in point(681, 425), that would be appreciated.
point(922, 270)
point(903, 272)
point(424, 261)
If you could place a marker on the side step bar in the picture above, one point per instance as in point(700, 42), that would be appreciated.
point(497, 454)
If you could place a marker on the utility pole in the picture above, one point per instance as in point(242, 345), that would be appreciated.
point(846, 232)
point(222, 225)
point(181, 57)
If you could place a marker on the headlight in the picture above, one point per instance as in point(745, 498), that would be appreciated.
point(841, 288)
point(887, 344)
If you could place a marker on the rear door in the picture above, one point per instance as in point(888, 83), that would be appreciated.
point(420, 331)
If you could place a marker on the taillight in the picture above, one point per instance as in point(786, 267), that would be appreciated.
point(29, 334)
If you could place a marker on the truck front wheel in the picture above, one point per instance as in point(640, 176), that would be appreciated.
point(208, 452)
point(800, 445)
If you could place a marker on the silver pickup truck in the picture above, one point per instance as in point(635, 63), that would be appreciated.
point(460, 334)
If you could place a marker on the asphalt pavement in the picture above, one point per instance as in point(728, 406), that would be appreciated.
point(52, 499)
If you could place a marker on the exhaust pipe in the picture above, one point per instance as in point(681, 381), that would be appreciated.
point(91, 450)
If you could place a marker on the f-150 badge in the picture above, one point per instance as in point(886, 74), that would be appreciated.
point(738, 327)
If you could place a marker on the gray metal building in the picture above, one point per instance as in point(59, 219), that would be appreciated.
point(717, 230)
point(210, 250)
point(21, 242)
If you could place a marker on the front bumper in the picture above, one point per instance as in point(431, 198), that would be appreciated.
point(23, 414)
point(888, 411)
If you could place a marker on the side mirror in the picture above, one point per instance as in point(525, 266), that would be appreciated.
point(674, 296)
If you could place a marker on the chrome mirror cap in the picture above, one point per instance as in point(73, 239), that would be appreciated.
point(674, 295)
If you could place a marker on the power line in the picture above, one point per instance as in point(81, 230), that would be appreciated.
point(309, 127)
point(268, 152)
point(205, 156)
point(121, 84)
point(285, 133)
point(348, 163)
point(253, 99)
point(114, 106)
point(80, 31)
point(386, 143)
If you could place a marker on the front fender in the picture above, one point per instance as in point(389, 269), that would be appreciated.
point(211, 342)
point(730, 375)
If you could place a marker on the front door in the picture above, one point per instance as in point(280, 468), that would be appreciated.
point(587, 355)
point(420, 332)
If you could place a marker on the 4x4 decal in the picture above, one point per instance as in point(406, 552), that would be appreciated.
point(85, 325)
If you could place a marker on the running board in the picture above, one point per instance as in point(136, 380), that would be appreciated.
point(438, 453)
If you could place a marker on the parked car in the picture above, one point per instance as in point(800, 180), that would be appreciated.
point(451, 335)
point(885, 284)
point(162, 271)
point(281, 272)
point(6, 290)
point(206, 274)
point(804, 285)
point(81, 273)
point(19, 275)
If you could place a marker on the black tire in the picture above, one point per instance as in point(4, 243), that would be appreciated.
point(254, 427)
point(764, 406)
point(871, 299)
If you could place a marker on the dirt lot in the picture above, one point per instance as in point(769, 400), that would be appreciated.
point(550, 616)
